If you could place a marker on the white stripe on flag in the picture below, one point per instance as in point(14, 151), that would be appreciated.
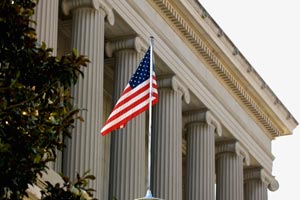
point(124, 96)
point(129, 103)
point(120, 118)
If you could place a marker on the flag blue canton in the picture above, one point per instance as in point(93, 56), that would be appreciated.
point(143, 71)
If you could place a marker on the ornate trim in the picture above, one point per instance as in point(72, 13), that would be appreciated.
point(176, 85)
point(203, 116)
point(69, 5)
point(233, 146)
point(110, 17)
point(128, 43)
point(217, 66)
point(258, 173)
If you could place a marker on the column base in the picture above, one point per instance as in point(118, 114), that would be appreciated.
point(148, 196)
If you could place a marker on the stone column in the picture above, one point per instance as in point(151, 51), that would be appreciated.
point(127, 172)
point(230, 156)
point(46, 18)
point(256, 184)
point(167, 140)
point(201, 129)
point(85, 150)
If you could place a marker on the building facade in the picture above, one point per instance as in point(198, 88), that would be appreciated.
point(215, 120)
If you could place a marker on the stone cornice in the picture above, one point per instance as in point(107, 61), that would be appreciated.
point(203, 116)
point(258, 173)
point(128, 43)
point(235, 147)
point(69, 5)
point(174, 83)
point(261, 113)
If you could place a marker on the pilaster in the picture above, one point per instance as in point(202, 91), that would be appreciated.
point(85, 151)
point(256, 184)
point(230, 156)
point(201, 129)
point(128, 148)
point(167, 139)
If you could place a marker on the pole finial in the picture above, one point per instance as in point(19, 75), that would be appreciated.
point(152, 41)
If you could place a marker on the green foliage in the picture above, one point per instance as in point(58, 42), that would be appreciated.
point(35, 102)
point(70, 190)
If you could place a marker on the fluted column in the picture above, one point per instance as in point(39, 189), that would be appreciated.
point(167, 140)
point(256, 184)
point(46, 17)
point(230, 156)
point(201, 129)
point(127, 175)
point(85, 150)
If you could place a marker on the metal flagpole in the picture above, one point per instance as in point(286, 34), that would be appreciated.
point(149, 194)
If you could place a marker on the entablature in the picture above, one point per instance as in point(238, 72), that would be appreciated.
point(199, 31)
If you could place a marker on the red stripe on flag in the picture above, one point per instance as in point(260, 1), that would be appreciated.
point(133, 95)
point(130, 116)
point(125, 120)
point(127, 108)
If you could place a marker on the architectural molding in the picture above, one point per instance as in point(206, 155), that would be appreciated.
point(69, 5)
point(110, 17)
point(174, 83)
point(238, 90)
point(258, 173)
point(203, 116)
point(135, 43)
point(233, 146)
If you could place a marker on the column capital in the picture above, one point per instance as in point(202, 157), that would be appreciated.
point(135, 43)
point(258, 173)
point(173, 82)
point(69, 5)
point(203, 116)
point(233, 146)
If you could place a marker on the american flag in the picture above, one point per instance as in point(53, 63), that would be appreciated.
point(135, 98)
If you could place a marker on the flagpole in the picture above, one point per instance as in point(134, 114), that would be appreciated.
point(149, 194)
